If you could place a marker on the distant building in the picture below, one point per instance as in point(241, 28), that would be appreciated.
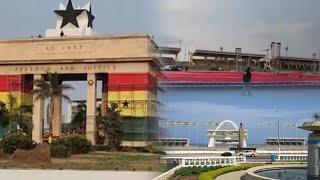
point(175, 142)
point(72, 108)
point(285, 141)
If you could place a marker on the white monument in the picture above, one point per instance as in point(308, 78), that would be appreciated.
point(72, 22)
point(227, 137)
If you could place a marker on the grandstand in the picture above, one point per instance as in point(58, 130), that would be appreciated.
point(238, 61)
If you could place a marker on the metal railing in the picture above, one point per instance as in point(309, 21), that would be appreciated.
point(209, 161)
point(292, 157)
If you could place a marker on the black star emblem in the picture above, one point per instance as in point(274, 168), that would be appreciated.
point(70, 15)
point(91, 18)
point(125, 104)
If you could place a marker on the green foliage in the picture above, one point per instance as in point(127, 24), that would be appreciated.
point(4, 114)
point(225, 154)
point(51, 88)
point(78, 122)
point(2, 154)
point(111, 125)
point(17, 141)
point(16, 115)
point(59, 151)
point(192, 171)
point(75, 144)
point(220, 171)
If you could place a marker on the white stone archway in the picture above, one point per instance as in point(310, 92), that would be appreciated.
point(219, 135)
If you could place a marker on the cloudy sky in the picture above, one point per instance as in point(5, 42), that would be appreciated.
point(215, 105)
point(199, 24)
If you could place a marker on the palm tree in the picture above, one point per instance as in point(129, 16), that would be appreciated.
point(316, 116)
point(17, 114)
point(23, 119)
point(50, 89)
point(111, 125)
point(12, 103)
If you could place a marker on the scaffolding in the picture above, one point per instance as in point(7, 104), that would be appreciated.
point(139, 106)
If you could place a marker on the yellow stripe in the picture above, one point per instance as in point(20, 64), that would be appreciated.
point(141, 103)
point(25, 98)
point(131, 95)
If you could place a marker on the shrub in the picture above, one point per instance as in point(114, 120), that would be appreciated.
point(75, 144)
point(192, 171)
point(2, 154)
point(59, 151)
point(226, 154)
point(128, 149)
point(217, 172)
point(17, 141)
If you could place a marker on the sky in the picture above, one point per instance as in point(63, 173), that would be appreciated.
point(190, 24)
point(266, 106)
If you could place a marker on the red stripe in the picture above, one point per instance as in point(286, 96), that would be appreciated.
point(236, 77)
point(14, 83)
point(132, 82)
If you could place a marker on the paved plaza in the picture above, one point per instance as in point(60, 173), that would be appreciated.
point(79, 175)
point(231, 176)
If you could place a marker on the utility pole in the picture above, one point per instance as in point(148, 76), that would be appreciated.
point(314, 57)
point(238, 52)
point(319, 60)
point(277, 111)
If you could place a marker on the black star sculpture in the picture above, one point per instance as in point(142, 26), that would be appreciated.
point(91, 18)
point(125, 104)
point(70, 15)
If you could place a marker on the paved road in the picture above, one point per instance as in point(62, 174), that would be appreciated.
point(259, 158)
point(78, 175)
point(231, 176)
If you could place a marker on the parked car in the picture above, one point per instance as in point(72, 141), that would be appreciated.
point(225, 154)
point(248, 153)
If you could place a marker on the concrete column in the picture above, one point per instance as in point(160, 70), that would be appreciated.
point(313, 156)
point(104, 97)
point(91, 107)
point(211, 142)
point(56, 116)
point(37, 115)
point(241, 136)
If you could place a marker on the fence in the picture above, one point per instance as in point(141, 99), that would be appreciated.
point(204, 161)
point(292, 157)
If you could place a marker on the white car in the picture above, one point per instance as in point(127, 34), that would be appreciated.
point(247, 153)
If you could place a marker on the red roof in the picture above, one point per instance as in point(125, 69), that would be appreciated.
point(236, 77)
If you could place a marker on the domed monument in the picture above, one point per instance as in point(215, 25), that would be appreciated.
point(313, 146)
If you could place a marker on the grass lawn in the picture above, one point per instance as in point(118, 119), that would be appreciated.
point(100, 161)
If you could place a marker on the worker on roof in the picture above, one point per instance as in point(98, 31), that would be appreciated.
point(247, 82)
